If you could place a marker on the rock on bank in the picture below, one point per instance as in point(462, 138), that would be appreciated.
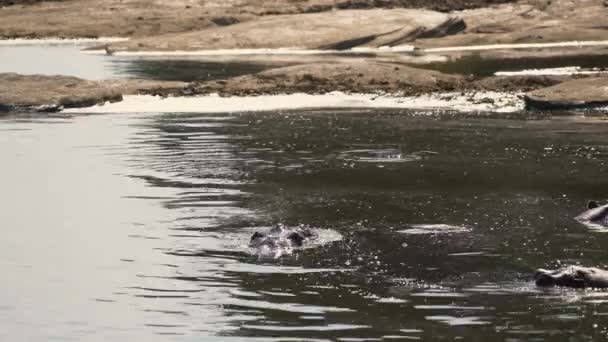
point(580, 93)
point(139, 18)
point(357, 76)
point(327, 30)
point(52, 93)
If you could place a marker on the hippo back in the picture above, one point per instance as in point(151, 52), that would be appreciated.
point(572, 276)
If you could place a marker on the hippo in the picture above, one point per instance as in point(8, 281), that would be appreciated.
point(572, 276)
point(280, 240)
point(595, 215)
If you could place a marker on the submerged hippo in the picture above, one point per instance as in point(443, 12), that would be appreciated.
point(596, 215)
point(280, 240)
point(573, 276)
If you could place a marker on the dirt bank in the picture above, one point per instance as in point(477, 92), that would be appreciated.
point(51, 93)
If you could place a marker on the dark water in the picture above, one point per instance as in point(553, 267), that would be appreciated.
point(135, 227)
point(69, 60)
point(475, 65)
point(186, 70)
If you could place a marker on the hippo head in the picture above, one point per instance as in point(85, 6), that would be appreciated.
point(572, 276)
point(290, 239)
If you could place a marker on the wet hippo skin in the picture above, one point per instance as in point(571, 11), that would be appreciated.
point(280, 240)
point(595, 214)
point(572, 276)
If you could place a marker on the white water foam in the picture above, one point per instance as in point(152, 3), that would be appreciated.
point(479, 101)
point(435, 229)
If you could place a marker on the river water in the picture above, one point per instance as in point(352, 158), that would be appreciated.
point(67, 59)
point(134, 227)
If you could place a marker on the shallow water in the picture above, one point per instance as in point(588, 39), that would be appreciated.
point(134, 227)
point(68, 60)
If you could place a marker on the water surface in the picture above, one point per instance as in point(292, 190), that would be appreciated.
point(67, 59)
point(133, 227)
point(474, 64)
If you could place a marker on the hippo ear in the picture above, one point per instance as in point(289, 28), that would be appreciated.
point(257, 235)
point(296, 238)
point(592, 204)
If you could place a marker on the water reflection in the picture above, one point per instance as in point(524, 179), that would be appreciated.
point(440, 246)
point(70, 61)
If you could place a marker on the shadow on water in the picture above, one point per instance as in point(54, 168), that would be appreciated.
point(443, 221)
point(478, 66)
